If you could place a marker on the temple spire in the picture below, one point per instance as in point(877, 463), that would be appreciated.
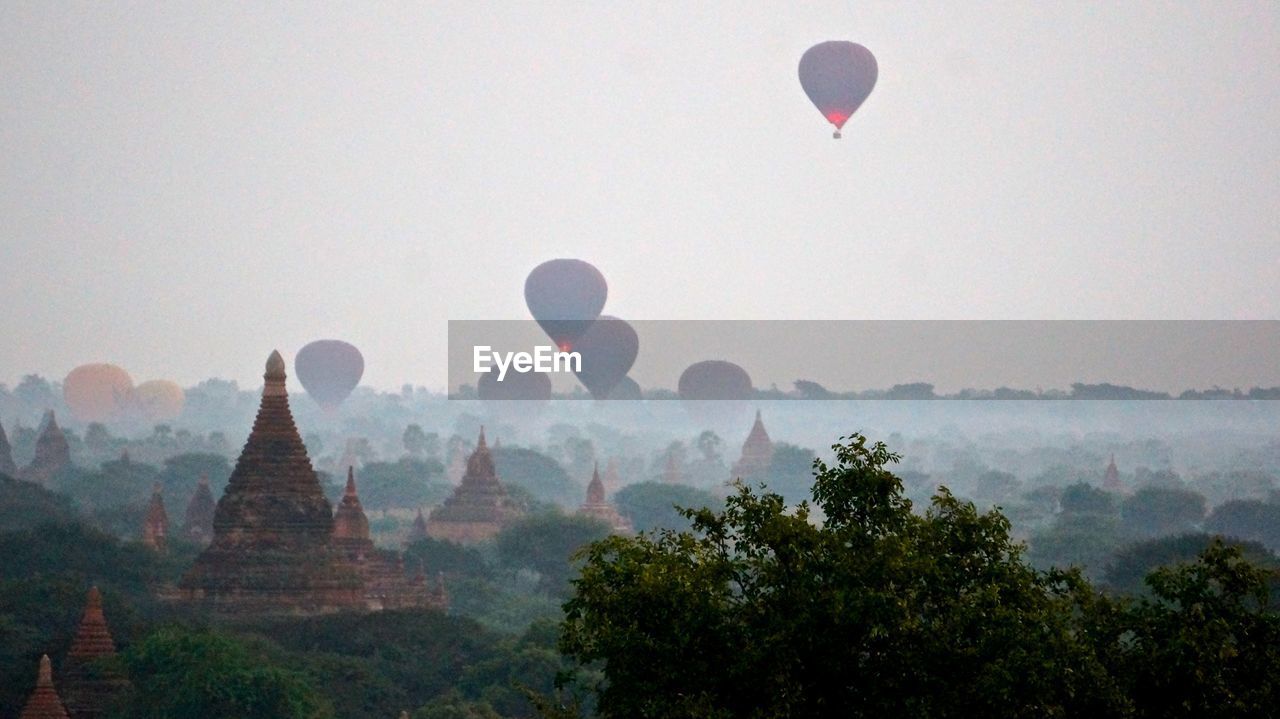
point(155, 527)
point(275, 376)
point(44, 702)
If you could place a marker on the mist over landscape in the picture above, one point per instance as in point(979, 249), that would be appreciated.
point(926, 361)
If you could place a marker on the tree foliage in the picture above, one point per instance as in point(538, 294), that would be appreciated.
point(760, 611)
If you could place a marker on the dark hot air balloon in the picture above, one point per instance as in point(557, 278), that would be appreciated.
point(514, 385)
point(715, 380)
point(329, 370)
point(838, 76)
point(98, 392)
point(608, 348)
point(626, 388)
point(565, 296)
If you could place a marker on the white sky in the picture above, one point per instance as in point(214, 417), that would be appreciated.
point(181, 190)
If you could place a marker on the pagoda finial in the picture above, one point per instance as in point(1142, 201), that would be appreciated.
point(481, 443)
point(275, 376)
point(94, 602)
point(351, 481)
point(45, 677)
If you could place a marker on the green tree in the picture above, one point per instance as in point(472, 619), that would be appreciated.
point(1203, 645)
point(654, 505)
point(1247, 519)
point(545, 543)
point(199, 673)
point(541, 475)
point(1155, 511)
point(758, 611)
point(1128, 569)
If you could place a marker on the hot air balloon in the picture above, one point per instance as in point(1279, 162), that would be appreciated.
point(515, 385)
point(838, 76)
point(329, 370)
point(97, 392)
point(159, 400)
point(715, 380)
point(608, 349)
point(626, 388)
point(565, 296)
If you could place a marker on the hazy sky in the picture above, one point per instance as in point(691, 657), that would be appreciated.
point(181, 190)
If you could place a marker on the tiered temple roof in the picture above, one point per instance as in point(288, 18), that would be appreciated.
point(52, 452)
point(479, 507)
point(757, 453)
point(198, 522)
point(1111, 480)
point(383, 573)
point(89, 684)
point(272, 549)
point(155, 528)
point(7, 467)
point(598, 506)
point(44, 702)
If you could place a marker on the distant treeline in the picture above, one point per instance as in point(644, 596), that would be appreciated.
point(807, 390)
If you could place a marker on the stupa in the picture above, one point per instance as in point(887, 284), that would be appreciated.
point(382, 570)
point(44, 702)
point(1111, 480)
point(90, 684)
point(52, 452)
point(757, 453)
point(197, 524)
point(155, 527)
point(418, 530)
point(479, 507)
point(272, 549)
point(598, 506)
point(7, 467)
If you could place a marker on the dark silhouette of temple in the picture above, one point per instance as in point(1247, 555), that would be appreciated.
point(598, 506)
point(757, 453)
point(7, 467)
point(197, 525)
point(53, 454)
point(479, 507)
point(275, 549)
point(90, 684)
point(155, 526)
point(44, 702)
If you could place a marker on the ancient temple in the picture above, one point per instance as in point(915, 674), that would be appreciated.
point(90, 685)
point(52, 452)
point(44, 702)
point(197, 524)
point(7, 466)
point(418, 530)
point(598, 506)
point(382, 570)
point(757, 453)
point(272, 550)
point(479, 507)
point(155, 526)
point(1111, 480)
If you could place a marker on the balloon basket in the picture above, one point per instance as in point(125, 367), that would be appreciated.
point(835, 135)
